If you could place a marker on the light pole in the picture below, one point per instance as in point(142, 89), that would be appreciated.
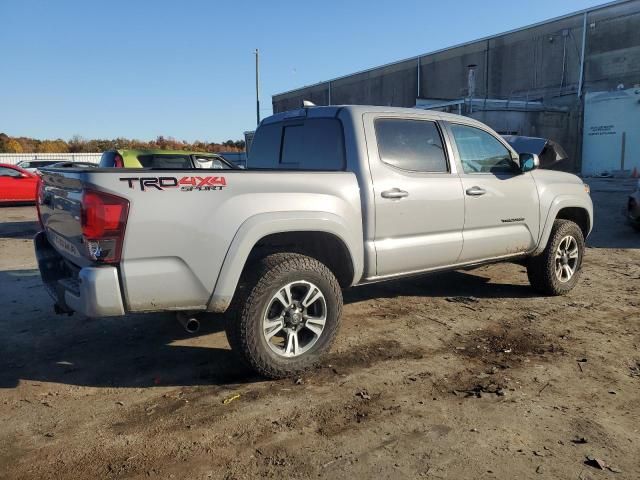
point(257, 90)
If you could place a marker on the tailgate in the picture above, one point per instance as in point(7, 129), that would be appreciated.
point(59, 203)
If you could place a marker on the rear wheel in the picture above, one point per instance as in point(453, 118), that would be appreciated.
point(285, 314)
point(557, 269)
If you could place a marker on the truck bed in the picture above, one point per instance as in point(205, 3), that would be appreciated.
point(183, 226)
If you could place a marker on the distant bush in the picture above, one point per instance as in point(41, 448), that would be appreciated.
point(81, 145)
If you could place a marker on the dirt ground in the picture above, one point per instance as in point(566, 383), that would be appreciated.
point(423, 381)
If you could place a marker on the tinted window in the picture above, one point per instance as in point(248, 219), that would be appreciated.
point(312, 144)
point(265, 149)
point(44, 163)
point(413, 145)
point(165, 161)
point(293, 142)
point(481, 152)
point(24, 164)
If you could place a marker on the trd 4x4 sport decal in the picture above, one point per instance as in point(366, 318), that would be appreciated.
point(186, 184)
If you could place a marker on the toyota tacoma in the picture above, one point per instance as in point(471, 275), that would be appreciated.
point(333, 197)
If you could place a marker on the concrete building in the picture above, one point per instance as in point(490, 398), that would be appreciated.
point(531, 81)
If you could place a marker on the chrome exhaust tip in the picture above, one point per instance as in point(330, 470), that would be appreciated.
point(189, 322)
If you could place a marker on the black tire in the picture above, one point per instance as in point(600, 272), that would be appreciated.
point(541, 269)
point(261, 281)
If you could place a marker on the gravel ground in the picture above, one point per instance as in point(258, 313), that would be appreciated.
point(461, 375)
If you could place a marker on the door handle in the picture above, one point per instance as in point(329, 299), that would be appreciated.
point(394, 193)
point(476, 191)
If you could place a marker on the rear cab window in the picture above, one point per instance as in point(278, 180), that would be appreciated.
point(300, 144)
point(165, 161)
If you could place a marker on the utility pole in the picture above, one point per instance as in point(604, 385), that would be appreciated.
point(257, 90)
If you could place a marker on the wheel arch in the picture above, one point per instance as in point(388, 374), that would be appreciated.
point(321, 235)
point(567, 207)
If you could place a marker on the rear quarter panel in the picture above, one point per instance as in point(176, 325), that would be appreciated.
point(177, 241)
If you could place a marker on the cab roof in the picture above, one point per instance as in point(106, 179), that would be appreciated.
point(357, 110)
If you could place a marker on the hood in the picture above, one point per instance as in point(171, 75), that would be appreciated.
point(555, 176)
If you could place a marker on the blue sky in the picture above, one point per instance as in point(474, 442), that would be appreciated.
point(185, 68)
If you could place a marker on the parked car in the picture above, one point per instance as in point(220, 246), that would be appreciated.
point(633, 208)
point(17, 185)
point(335, 197)
point(550, 153)
point(75, 165)
point(162, 159)
point(34, 165)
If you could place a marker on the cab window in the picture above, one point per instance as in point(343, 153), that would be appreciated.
point(413, 145)
point(306, 144)
point(481, 152)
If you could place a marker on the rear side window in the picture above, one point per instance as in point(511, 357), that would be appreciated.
point(310, 144)
point(165, 161)
point(414, 145)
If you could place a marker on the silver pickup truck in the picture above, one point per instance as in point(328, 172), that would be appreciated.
point(333, 197)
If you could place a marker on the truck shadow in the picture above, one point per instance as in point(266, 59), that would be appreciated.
point(152, 349)
point(449, 284)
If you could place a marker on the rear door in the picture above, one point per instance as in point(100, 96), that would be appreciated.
point(419, 206)
point(502, 211)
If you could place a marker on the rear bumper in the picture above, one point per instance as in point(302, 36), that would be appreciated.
point(92, 291)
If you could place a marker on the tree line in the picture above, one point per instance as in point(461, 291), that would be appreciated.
point(78, 144)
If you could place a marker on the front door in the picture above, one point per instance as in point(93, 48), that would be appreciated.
point(502, 212)
point(13, 186)
point(419, 205)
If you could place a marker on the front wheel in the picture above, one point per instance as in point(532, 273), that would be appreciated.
point(286, 314)
point(557, 269)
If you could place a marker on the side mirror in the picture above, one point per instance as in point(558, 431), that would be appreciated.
point(528, 162)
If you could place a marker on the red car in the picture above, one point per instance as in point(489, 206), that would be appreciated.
point(17, 184)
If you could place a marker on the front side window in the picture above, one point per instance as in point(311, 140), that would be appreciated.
point(9, 172)
point(481, 152)
point(414, 145)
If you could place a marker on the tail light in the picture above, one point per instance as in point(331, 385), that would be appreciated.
point(39, 197)
point(103, 220)
point(117, 161)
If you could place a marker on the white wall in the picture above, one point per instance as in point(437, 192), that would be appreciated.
point(607, 115)
point(13, 158)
